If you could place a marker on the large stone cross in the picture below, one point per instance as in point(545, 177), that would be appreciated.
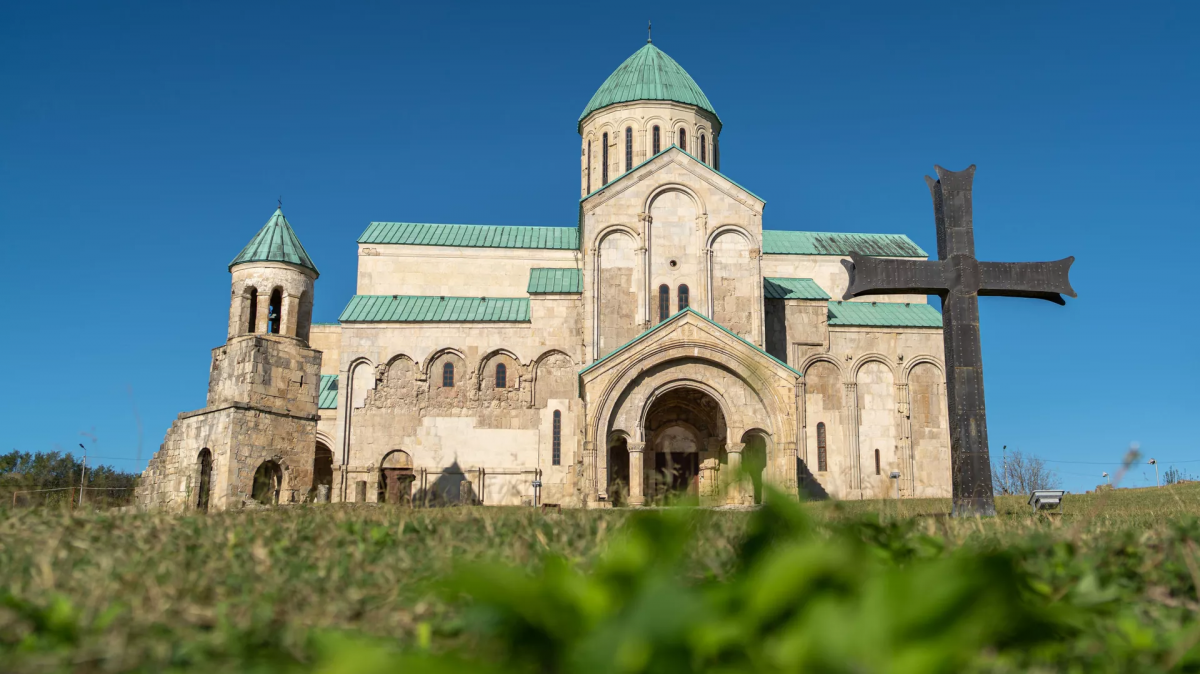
point(958, 278)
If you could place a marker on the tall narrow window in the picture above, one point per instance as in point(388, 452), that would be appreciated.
point(205, 480)
point(589, 168)
point(501, 376)
point(657, 141)
point(275, 311)
point(664, 302)
point(448, 375)
point(252, 321)
point(604, 157)
point(703, 149)
point(556, 441)
point(683, 140)
point(822, 466)
point(628, 149)
point(877, 462)
point(683, 297)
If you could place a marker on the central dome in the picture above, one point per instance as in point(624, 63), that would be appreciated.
point(648, 75)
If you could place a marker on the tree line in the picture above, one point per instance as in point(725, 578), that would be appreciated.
point(25, 476)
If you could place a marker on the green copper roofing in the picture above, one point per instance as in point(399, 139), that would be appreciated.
point(672, 147)
point(415, 308)
point(555, 281)
point(327, 397)
point(275, 242)
point(671, 320)
point(884, 314)
point(793, 289)
point(472, 236)
point(837, 243)
point(648, 75)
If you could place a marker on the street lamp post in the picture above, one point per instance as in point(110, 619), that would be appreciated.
point(1155, 464)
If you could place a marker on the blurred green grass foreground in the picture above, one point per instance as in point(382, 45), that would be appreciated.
point(1110, 586)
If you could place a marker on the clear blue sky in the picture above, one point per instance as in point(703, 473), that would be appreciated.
point(143, 144)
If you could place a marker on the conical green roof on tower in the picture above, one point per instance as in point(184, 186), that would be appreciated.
point(275, 242)
point(648, 75)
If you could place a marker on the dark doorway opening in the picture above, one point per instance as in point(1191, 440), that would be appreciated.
point(205, 484)
point(267, 481)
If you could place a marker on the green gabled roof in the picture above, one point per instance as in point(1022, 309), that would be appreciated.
point(275, 242)
point(434, 309)
point(327, 396)
point(472, 236)
point(555, 281)
point(884, 314)
point(793, 289)
point(648, 75)
point(781, 242)
point(685, 152)
point(670, 320)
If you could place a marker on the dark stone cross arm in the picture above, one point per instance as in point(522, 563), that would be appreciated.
point(961, 274)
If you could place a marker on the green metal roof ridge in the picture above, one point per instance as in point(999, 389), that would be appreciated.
point(327, 392)
point(649, 74)
point(471, 236)
point(275, 242)
point(803, 288)
point(661, 153)
point(663, 324)
point(886, 314)
point(434, 309)
point(555, 280)
point(875, 246)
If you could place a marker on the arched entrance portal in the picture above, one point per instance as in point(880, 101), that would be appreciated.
point(685, 433)
point(396, 478)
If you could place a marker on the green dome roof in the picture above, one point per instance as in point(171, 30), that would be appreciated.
point(275, 242)
point(648, 75)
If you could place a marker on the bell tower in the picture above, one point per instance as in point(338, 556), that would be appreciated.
point(272, 284)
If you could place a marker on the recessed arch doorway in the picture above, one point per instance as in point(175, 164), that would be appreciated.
point(685, 431)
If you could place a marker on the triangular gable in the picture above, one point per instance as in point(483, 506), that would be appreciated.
point(672, 323)
point(636, 169)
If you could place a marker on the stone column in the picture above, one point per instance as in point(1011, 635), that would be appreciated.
point(589, 472)
point(852, 436)
point(637, 474)
point(263, 319)
point(906, 459)
point(734, 493)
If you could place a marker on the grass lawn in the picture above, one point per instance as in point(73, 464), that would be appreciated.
point(290, 588)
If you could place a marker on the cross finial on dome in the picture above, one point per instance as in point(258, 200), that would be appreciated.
point(648, 26)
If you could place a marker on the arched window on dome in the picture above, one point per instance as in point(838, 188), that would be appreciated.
point(275, 312)
point(683, 297)
point(822, 464)
point(683, 139)
point(501, 376)
point(657, 141)
point(604, 159)
point(628, 149)
point(703, 149)
point(252, 319)
point(664, 302)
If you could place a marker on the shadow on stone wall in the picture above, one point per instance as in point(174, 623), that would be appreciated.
point(810, 486)
point(451, 488)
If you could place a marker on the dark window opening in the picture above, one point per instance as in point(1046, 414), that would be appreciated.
point(703, 149)
point(657, 140)
point(267, 480)
point(683, 297)
point(589, 168)
point(664, 302)
point(275, 311)
point(448, 375)
point(822, 466)
point(501, 376)
point(604, 158)
point(252, 321)
point(628, 149)
point(556, 443)
point(683, 140)
point(877, 462)
point(205, 484)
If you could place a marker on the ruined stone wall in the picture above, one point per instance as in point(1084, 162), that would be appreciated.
point(267, 372)
point(930, 431)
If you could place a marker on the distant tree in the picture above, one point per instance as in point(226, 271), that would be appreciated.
point(22, 471)
point(1018, 473)
point(1173, 475)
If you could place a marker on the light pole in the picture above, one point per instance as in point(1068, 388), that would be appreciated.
point(83, 478)
point(1105, 475)
point(1155, 464)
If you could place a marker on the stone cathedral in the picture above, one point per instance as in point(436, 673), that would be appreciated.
point(669, 347)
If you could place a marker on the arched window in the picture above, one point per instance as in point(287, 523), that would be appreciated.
point(657, 141)
point(822, 465)
point(275, 311)
point(664, 302)
point(683, 297)
point(628, 149)
point(589, 168)
point(448, 375)
point(205, 484)
point(267, 480)
point(252, 320)
point(556, 441)
point(683, 140)
point(703, 149)
point(604, 158)
point(501, 376)
point(877, 462)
